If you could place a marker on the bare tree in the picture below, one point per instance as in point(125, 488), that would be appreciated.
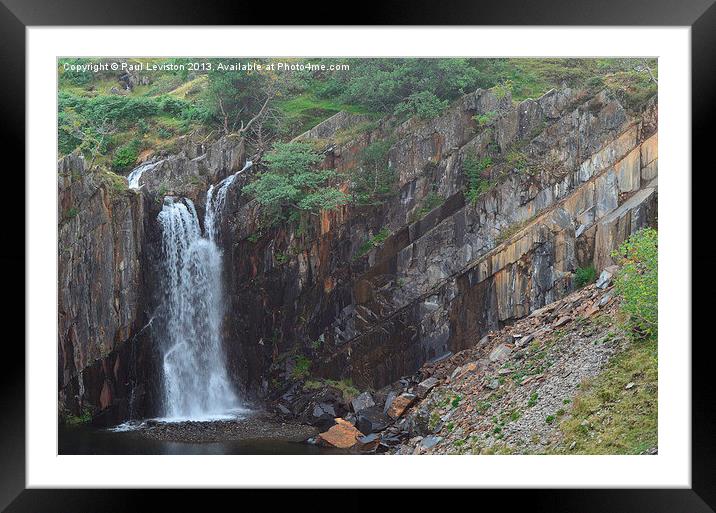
point(651, 74)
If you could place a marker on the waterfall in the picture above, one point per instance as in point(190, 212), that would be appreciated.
point(196, 382)
point(215, 203)
point(136, 174)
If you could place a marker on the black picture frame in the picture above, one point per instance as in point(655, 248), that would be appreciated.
point(16, 15)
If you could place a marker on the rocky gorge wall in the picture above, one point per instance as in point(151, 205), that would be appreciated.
point(585, 177)
point(438, 284)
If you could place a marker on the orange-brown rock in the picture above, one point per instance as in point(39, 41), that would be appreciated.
point(400, 404)
point(343, 435)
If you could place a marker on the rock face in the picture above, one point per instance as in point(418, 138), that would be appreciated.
point(572, 175)
point(100, 291)
point(439, 283)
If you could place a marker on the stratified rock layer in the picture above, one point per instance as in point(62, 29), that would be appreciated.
point(573, 175)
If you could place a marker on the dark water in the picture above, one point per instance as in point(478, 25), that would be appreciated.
point(89, 440)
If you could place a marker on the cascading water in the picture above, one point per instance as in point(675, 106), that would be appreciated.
point(215, 203)
point(136, 174)
point(196, 382)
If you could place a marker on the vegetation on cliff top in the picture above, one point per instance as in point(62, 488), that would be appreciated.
point(101, 113)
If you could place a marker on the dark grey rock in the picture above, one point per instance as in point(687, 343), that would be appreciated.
point(426, 386)
point(363, 401)
point(430, 441)
point(372, 420)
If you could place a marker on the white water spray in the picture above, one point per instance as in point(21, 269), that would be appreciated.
point(215, 203)
point(136, 174)
point(196, 382)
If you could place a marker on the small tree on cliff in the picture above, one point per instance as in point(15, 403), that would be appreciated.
point(292, 184)
point(373, 179)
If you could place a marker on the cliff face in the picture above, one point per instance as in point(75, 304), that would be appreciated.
point(572, 175)
point(100, 291)
point(438, 284)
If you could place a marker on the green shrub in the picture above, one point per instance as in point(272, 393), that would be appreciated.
point(476, 185)
point(637, 280)
point(126, 156)
point(373, 179)
point(75, 420)
point(423, 104)
point(502, 89)
point(485, 119)
point(301, 368)
point(517, 160)
point(292, 184)
point(584, 276)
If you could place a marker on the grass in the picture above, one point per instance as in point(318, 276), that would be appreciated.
point(191, 87)
point(606, 418)
point(375, 241)
point(344, 385)
point(306, 111)
point(533, 399)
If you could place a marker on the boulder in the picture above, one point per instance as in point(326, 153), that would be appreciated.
point(368, 443)
point(562, 321)
point(500, 353)
point(363, 401)
point(322, 415)
point(605, 278)
point(425, 386)
point(524, 341)
point(343, 435)
point(389, 400)
point(400, 404)
point(430, 441)
point(372, 420)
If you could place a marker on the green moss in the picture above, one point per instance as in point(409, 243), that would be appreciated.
point(302, 367)
point(116, 184)
point(375, 241)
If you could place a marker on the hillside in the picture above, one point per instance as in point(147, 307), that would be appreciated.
point(336, 240)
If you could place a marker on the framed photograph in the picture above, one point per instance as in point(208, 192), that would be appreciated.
point(413, 256)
